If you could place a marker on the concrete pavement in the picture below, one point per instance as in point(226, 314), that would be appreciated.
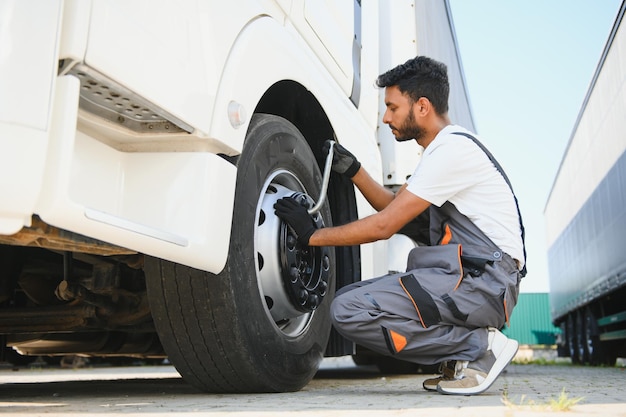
point(339, 389)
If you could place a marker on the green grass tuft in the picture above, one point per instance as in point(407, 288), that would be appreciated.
point(562, 403)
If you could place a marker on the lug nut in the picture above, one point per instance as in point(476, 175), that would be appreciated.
point(291, 242)
point(303, 296)
point(313, 301)
point(321, 288)
point(326, 263)
point(295, 274)
point(304, 202)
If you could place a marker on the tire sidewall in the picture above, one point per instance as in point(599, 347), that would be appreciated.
point(273, 143)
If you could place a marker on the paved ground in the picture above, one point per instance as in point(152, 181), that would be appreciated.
point(339, 389)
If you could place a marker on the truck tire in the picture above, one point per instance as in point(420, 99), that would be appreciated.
point(249, 329)
point(393, 366)
point(385, 364)
point(581, 342)
point(389, 365)
point(592, 339)
point(571, 337)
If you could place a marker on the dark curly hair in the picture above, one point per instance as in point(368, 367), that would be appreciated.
point(420, 77)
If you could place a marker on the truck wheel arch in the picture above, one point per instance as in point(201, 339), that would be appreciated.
point(294, 102)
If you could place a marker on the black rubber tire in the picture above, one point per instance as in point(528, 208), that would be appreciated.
point(599, 352)
point(430, 369)
point(570, 336)
point(216, 329)
point(389, 365)
point(392, 366)
point(592, 339)
point(363, 360)
point(581, 342)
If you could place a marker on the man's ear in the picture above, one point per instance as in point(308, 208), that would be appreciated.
point(423, 106)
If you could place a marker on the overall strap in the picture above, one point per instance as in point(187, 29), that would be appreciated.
point(501, 171)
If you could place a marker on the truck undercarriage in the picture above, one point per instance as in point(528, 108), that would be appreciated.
point(63, 293)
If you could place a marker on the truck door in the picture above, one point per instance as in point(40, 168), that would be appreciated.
point(332, 29)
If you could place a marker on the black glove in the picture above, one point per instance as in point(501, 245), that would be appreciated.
point(343, 161)
point(296, 216)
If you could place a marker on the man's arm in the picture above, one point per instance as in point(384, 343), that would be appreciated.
point(345, 163)
point(382, 225)
point(394, 210)
point(376, 194)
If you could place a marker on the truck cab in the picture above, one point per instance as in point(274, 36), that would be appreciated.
point(143, 147)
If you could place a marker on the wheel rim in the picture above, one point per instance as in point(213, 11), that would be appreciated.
point(292, 278)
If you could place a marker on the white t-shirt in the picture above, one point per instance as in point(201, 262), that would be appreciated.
point(453, 168)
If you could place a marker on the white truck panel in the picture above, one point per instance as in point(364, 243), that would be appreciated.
point(585, 213)
point(161, 204)
point(326, 37)
point(419, 28)
point(75, 32)
point(20, 179)
point(171, 59)
point(370, 67)
point(596, 144)
point(333, 23)
point(29, 37)
point(27, 61)
point(435, 34)
point(396, 46)
point(251, 58)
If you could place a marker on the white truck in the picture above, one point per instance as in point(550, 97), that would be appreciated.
point(142, 146)
point(586, 218)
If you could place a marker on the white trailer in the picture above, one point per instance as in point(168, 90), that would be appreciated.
point(586, 219)
point(142, 145)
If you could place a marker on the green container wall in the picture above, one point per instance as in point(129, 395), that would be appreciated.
point(530, 323)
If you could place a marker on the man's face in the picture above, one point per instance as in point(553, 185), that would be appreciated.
point(400, 116)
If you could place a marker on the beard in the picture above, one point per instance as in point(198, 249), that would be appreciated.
point(409, 130)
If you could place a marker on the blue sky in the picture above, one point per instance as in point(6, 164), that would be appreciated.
point(528, 65)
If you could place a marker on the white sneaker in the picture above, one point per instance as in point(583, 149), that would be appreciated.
point(447, 371)
point(478, 376)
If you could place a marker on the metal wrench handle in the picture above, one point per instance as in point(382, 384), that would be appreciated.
point(325, 179)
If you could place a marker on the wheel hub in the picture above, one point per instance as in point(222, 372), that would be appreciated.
point(293, 278)
point(304, 268)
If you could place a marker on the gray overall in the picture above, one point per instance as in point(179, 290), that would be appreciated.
point(438, 310)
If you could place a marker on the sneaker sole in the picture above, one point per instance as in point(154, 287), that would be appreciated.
point(505, 357)
point(429, 387)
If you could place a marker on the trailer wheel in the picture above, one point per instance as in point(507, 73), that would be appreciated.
point(581, 342)
point(262, 324)
point(592, 340)
point(570, 336)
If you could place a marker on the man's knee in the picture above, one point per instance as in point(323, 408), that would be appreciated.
point(345, 310)
point(351, 313)
point(337, 310)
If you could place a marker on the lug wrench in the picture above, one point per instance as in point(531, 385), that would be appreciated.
point(325, 180)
